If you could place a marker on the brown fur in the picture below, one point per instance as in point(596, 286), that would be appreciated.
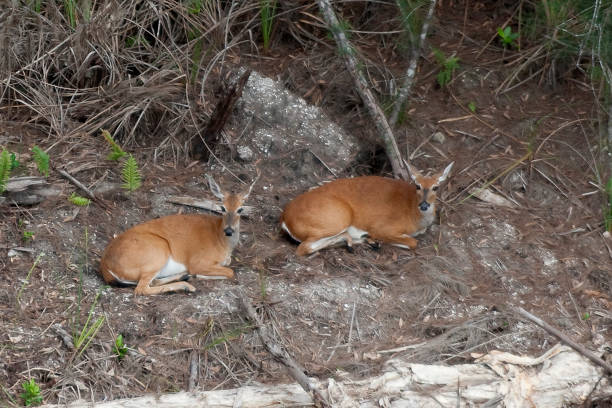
point(387, 209)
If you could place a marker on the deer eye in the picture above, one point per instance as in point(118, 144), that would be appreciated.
point(239, 211)
point(223, 209)
point(434, 188)
point(418, 187)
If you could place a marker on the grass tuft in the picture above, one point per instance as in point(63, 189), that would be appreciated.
point(5, 169)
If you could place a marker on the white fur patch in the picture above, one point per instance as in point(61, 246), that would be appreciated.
point(170, 268)
point(208, 277)
point(358, 235)
point(284, 226)
point(401, 246)
point(122, 281)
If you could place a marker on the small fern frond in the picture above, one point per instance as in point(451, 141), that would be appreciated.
point(41, 159)
point(5, 169)
point(130, 174)
point(78, 200)
point(117, 152)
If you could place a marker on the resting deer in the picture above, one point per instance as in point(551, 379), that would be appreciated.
point(160, 255)
point(362, 209)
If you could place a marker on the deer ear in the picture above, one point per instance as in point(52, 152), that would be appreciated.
point(214, 187)
point(251, 186)
point(445, 173)
point(414, 173)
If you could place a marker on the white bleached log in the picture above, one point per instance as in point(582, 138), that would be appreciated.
point(560, 377)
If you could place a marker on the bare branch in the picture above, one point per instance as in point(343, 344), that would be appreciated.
point(281, 354)
point(384, 130)
point(411, 71)
point(582, 350)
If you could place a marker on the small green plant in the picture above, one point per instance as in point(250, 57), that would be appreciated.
point(448, 65)
point(507, 37)
point(472, 107)
point(31, 393)
point(130, 174)
point(27, 279)
point(608, 210)
point(119, 348)
point(14, 161)
point(70, 7)
point(267, 12)
point(5, 169)
point(27, 235)
point(83, 338)
point(195, 7)
point(41, 158)
point(586, 316)
point(116, 151)
point(78, 200)
point(411, 13)
point(36, 5)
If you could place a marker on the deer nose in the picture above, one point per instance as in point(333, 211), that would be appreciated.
point(229, 231)
point(424, 206)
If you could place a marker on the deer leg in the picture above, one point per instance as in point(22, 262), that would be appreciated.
point(311, 245)
point(144, 287)
point(183, 276)
point(210, 271)
point(400, 240)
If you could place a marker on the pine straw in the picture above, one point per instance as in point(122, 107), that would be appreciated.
point(130, 70)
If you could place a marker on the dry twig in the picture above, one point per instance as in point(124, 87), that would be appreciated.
point(384, 130)
point(282, 355)
point(80, 185)
point(411, 71)
point(582, 350)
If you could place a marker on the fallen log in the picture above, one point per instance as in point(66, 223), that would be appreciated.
point(560, 377)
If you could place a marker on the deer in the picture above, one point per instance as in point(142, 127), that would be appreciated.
point(160, 255)
point(363, 209)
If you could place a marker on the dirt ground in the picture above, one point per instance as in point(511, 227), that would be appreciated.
point(337, 313)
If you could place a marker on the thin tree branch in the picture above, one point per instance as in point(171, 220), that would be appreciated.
point(80, 185)
point(582, 350)
point(348, 52)
point(411, 71)
point(282, 355)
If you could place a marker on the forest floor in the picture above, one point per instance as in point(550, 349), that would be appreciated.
point(337, 313)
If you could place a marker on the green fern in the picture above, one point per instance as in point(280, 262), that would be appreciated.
point(78, 200)
point(5, 169)
point(42, 160)
point(130, 174)
point(117, 151)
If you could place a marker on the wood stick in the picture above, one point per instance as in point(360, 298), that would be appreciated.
point(80, 185)
point(203, 145)
point(558, 334)
point(193, 370)
point(378, 116)
point(282, 355)
point(63, 334)
point(411, 71)
point(205, 204)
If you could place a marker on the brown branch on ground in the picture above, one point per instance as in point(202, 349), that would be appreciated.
point(80, 185)
point(282, 355)
point(63, 334)
point(194, 368)
point(378, 116)
point(564, 338)
point(203, 144)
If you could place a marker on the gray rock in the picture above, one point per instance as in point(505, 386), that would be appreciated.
point(245, 153)
point(295, 140)
point(438, 137)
